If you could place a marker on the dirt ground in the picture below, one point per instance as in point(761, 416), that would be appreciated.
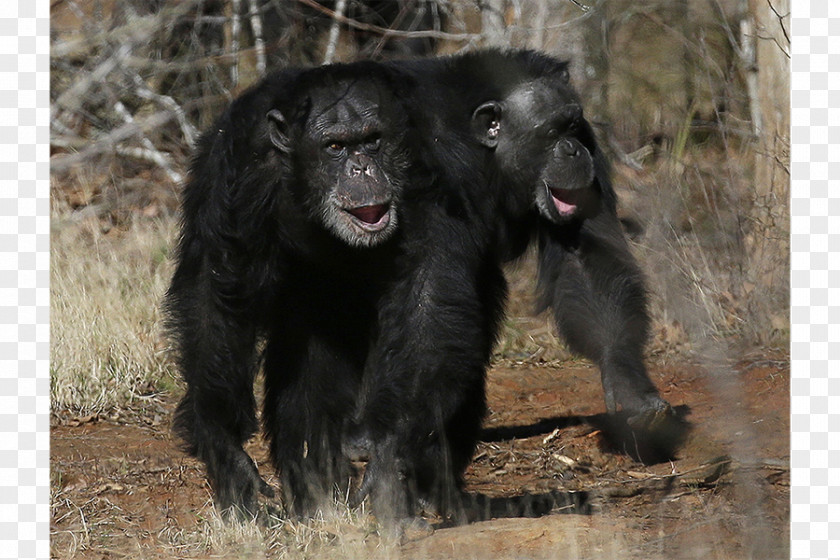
point(122, 489)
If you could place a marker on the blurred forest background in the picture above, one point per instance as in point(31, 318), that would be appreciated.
point(690, 98)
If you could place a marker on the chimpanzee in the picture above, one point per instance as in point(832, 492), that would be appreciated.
point(313, 221)
point(588, 276)
point(508, 128)
point(289, 235)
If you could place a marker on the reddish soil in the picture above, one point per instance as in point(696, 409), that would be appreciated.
point(122, 489)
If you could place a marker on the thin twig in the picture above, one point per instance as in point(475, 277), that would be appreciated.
point(722, 462)
point(335, 31)
point(581, 6)
point(404, 9)
point(772, 36)
point(781, 24)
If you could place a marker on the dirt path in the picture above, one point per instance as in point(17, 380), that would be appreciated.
point(122, 489)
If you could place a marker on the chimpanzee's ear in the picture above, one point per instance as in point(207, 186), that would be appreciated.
point(278, 131)
point(564, 73)
point(486, 123)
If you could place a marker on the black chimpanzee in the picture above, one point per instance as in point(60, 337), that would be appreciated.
point(288, 235)
point(313, 222)
point(588, 276)
point(508, 129)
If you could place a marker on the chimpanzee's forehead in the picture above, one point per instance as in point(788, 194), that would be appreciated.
point(348, 103)
point(360, 95)
point(538, 100)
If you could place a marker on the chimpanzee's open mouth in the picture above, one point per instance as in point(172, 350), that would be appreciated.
point(371, 218)
point(566, 201)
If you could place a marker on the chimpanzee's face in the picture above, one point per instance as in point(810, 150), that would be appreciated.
point(349, 159)
point(542, 140)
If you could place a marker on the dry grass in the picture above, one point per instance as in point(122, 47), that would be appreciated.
point(701, 272)
point(107, 345)
point(338, 533)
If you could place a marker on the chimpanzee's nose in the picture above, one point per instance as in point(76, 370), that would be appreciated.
point(567, 148)
point(358, 168)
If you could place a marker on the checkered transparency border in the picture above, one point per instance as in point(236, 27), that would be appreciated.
point(815, 297)
point(24, 279)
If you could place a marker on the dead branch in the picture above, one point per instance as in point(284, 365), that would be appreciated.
point(431, 34)
point(395, 24)
point(136, 31)
point(152, 156)
point(188, 130)
point(108, 142)
point(149, 151)
point(128, 36)
point(72, 98)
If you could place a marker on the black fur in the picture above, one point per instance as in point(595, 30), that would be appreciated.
point(507, 128)
point(257, 261)
point(379, 340)
point(264, 254)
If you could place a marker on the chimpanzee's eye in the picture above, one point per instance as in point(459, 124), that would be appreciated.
point(334, 148)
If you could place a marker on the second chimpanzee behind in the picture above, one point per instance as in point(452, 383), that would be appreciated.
point(508, 129)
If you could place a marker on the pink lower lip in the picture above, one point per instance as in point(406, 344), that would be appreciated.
point(371, 218)
point(564, 208)
point(370, 214)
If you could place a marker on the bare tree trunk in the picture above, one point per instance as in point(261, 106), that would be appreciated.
point(234, 7)
point(767, 241)
point(772, 48)
point(256, 28)
point(493, 25)
point(750, 65)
